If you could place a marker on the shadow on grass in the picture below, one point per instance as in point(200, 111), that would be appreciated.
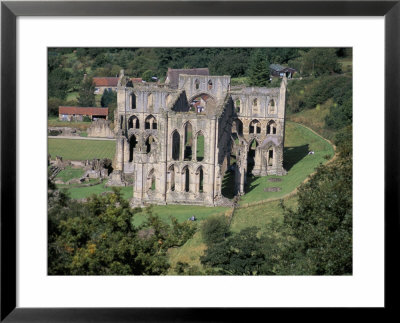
point(228, 185)
point(250, 183)
point(292, 155)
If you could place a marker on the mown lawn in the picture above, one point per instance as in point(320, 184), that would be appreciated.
point(81, 149)
point(260, 215)
point(70, 173)
point(298, 142)
point(180, 212)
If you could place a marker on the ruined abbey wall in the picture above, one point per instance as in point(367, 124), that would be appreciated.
point(177, 143)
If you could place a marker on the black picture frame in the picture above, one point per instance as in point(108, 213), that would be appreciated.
point(10, 10)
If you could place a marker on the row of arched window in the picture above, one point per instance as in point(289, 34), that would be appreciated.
point(149, 144)
point(150, 123)
point(255, 127)
point(256, 106)
point(185, 179)
point(150, 100)
point(197, 84)
point(193, 146)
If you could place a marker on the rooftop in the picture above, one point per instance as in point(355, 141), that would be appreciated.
point(105, 81)
point(83, 111)
point(173, 74)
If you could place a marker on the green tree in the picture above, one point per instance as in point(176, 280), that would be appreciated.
point(317, 61)
point(240, 254)
point(86, 97)
point(98, 238)
point(108, 97)
point(322, 223)
point(52, 106)
point(259, 73)
point(58, 83)
point(214, 229)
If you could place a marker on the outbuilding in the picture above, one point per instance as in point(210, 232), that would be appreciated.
point(281, 71)
point(78, 113)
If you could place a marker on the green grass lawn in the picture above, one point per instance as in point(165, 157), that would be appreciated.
point(70, 173)
point(81, 149)
point(181, 212)
point(315, 119)
point(260, 215)
point(72, 96)
point(298, 142)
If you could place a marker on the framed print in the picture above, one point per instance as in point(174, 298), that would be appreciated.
point(68, 35)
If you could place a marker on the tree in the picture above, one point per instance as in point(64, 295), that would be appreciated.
point(322, 223)
point(58, 83)
point(52, 106)
point(86, 97)
point(259, 73)
point(240, 254)
point(317, 61)
point(98, 238)
point(108, 97)
point(214, 229)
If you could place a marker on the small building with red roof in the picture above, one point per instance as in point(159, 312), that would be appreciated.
point(77, 113)
point(103, 83)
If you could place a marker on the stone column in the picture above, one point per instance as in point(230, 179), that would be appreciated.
point(194, 148)
point(192, 182)
point(182, 149)
point(139, 185)
point(126, 150)
point(119, 158)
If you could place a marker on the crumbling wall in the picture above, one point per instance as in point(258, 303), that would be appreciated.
point(100, 128)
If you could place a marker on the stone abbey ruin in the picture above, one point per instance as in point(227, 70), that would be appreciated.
point(175, 140)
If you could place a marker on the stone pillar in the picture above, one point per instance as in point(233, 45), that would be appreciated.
point(194, 148)
point(257, 163)
point(126, 150)
point(182, 150)
point(119, 158)
point(212, 153)
point(192, 182)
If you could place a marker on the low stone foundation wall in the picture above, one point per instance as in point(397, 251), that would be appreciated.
point(100, 128)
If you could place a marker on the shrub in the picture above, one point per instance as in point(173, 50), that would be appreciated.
point(214, 229)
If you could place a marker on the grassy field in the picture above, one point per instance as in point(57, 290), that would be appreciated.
point(298, 142)
point(181, 212)
point(72, 96)
point(189, 253)
point(260, 215)
point(70, 173)
point(81, 149)
point(315, 119)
